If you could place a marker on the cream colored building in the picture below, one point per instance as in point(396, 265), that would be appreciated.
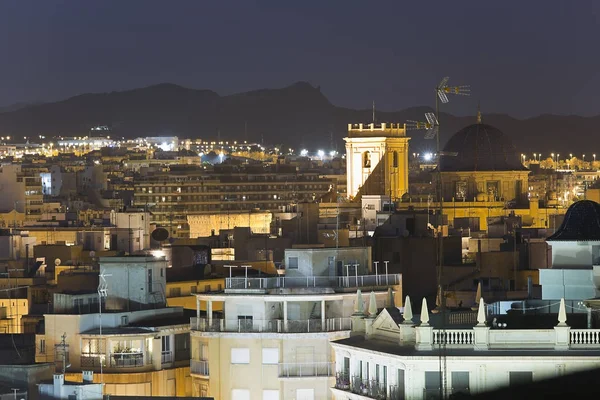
point(396, 358)
point(377, 159)
point(136, 346)
point(272, 339)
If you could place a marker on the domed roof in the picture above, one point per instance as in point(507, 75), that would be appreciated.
point(581, 223)
point(480, 147)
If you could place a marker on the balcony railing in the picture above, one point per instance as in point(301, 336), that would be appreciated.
point(90, 361)
point(313, 281)
point(126, 360)
point(299, 370)
point(166, 357)
point(367, 388)
point(273, 325)
point(199, 367)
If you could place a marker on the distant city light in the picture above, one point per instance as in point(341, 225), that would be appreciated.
point(320, 153)
point(332, 153)
point(303, 152)
point(428, 156)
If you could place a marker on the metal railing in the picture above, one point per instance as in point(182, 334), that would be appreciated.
point(166, 357)
point(273, 325)
point(199, 367)
point(90, 361)
point(369, 388)
point(125, 360)
point(299, 370)
point(313, 281)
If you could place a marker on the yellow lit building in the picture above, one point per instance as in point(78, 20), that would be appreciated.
point(183, 294)
point(482, 176)
point(377, 159)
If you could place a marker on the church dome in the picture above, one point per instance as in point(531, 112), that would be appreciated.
point(581, 223)
point(480, 147)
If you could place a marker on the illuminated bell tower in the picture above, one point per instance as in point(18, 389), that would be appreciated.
point(377, 160)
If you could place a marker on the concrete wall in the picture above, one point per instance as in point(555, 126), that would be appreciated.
point(573, 254)
point(323, 262)
point(570, 284)
point(129, 280)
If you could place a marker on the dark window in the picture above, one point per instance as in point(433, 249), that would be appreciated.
point(395, 159)
point(460, 382)
point(292, 262)
point(520, 377)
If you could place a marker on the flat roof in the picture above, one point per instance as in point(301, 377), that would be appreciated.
point(396, 349)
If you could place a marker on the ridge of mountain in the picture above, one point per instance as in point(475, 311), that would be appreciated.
point(298, 115)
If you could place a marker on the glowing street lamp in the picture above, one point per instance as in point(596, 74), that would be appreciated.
point(320, 153)
point(303, 152)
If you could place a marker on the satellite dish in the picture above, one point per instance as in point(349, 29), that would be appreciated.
point(160, 234)
point(92, 254)
point(57, 262)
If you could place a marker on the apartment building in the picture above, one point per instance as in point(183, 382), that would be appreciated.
point(274, 332)
point(400, 357)
point(172, 196)
point(135, 345)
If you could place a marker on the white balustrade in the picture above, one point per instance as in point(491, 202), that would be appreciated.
point(453, 337)
point(585, 337)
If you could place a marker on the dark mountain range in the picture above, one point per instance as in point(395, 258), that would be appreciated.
point(298, 115)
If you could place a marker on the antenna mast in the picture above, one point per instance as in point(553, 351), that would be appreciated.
point(373, 111)
point(432, 130)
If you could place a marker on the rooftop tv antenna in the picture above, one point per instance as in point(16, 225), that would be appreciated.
point(102, 294)
point(373, 111)
point(432, 130)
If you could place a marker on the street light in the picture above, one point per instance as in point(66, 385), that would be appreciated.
point(593, 155)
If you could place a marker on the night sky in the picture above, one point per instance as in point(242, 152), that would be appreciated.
point(520, 57)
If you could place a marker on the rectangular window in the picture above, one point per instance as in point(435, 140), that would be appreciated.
point(400, 384)
point(240, 356)
point(193, 289)
point(240, 394)
point(292, 262)
point(461, 190)
point(42, 346)
point(124, 320)
point(432, 384)
point(166, 343)
point(460, 382)
point(245, 323)
point(270, 355)
point(520, 377)
point(175, 292)
point(305, 394)
point(149, 280)
point(270, 394)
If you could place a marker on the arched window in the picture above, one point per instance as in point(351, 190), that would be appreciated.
point(395, 159)
point(367, 159)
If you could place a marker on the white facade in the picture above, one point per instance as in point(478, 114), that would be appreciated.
point(574, 254)
point(274, 333)
point(137, 280)
point(401, 361)
point(371, 145)
point(570, 284)
point(58, 389)
point(133, 230)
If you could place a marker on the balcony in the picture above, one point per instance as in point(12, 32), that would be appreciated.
point(271, 326)
point(199, 367)
point(166, 357)
point(302, 370)
point(365, 388)
point(91, 361)
point(126, 360)
point(336, 282)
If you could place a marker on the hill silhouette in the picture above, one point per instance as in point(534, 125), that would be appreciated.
point(298, 115)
